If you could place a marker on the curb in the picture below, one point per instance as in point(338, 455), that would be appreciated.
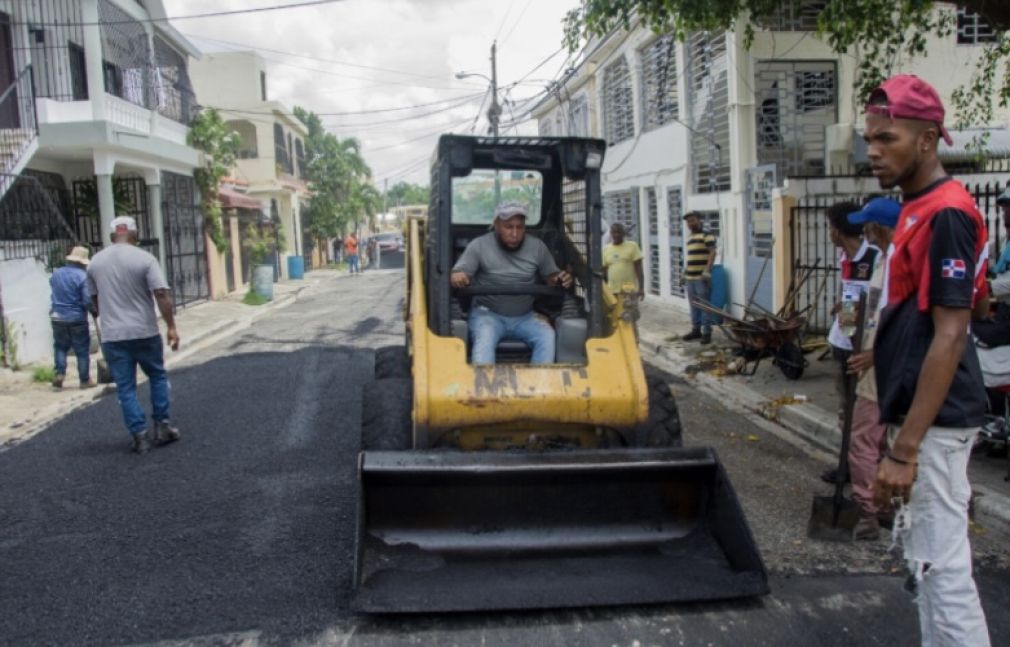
point(46, 416)
point(811, 425)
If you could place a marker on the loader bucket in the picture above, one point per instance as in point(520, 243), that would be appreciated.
point(450, 531)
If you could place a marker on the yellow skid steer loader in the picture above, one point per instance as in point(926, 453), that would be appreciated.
point(512, 485)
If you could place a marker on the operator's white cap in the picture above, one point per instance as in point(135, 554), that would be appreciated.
point(507, 210)
point(123, 224)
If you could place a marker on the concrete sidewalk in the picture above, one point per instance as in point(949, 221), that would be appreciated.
point(806, 407)
point(27, 407)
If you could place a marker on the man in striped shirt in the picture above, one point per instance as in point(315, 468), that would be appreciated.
point(700, 254)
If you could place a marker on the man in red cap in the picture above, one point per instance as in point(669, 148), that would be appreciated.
point(929, 384)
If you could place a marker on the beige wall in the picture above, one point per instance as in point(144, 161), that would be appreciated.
point(228, 79)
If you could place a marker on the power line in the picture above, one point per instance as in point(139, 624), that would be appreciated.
point(210, 14)
point(518, 20)
point(459, 101)
point(504, 18)
point(437, 131)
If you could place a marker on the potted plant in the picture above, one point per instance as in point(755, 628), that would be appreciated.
point(259, 243)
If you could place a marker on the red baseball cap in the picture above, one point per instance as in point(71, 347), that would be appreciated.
point(909, 97)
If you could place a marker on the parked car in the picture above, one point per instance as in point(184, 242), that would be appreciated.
point(390, 242)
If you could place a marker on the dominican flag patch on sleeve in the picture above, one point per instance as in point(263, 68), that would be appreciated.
point(953, 268)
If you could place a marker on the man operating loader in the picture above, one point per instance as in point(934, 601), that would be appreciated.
point(506, 256)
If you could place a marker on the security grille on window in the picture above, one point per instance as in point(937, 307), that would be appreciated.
point(709, 101)
point(622, 207)
point(675, 218)
point(972, 28)
point(174, 92)
point(794, 15)
point(578, 109)
point(653, 213)
point(795, 103)
point(618, 102)
point(126, 56)
point(659, 83)
point(573, 207)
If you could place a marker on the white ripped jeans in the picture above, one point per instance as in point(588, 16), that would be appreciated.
point(933, 528)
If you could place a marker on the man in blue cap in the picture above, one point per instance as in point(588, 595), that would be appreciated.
point(996, 332)
point(878, 217)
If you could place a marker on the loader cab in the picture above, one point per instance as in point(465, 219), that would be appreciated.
point(558, 181)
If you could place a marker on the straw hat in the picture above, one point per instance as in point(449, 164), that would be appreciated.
point(79, 255)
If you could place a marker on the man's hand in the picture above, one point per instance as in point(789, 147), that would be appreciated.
point(861, 362)
point(894, 481)
point(459, 279)
point(562, 278)
point(173, 338)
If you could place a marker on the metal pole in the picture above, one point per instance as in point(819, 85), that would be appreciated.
point(493, 112)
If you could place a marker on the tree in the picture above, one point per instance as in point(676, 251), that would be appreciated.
point(209, 133)
point(403, 193)
point(879, 32)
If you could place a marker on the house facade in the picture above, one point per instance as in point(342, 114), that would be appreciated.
point(271, 162)
point(712, 126)
point(95, 103)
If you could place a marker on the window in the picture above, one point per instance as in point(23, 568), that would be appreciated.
point(659, 83)
point(622, 207)
point(653, 216)
point(796, 102)
point(280, 150)
point(709, 103)
point(300, 156)
point(618, 103)
point(473, 196)
point(578, 110)
point(972, 29)
point(794, 15)
point(78, 72)
point(675, 218)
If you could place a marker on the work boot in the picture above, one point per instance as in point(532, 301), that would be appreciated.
point(866, 529)
point(691, 336)
point(706, 338)
point(164, 433)
point(58, 381)
point(87, 384)
point(831, 476)
point(886, 520)
point(141, 442)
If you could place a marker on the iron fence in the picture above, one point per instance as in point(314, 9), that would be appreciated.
point(33, 221)
point(18, 125)
point(185, 242)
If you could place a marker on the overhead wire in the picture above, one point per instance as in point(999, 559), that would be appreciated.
point(210, 14)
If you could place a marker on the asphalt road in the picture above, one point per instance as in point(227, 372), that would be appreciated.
point(241, 534)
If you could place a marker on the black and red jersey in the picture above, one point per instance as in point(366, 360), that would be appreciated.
point(938, 258)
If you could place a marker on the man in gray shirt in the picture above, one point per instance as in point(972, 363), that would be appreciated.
point(506, 256)
point(125, 282)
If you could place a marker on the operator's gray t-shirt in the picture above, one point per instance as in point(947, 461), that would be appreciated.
point(124, 276)
point(490, 265)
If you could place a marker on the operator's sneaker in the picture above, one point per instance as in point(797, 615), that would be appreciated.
point(141, 442)
point(691, 336)
point(866, 529)
point(165, 433)
point(58, 381)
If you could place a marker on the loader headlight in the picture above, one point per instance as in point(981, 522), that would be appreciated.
point(593, 159)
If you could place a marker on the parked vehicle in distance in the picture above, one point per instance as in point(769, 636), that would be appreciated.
point(390, 241)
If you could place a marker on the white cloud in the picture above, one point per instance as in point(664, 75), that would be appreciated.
point(419, 44)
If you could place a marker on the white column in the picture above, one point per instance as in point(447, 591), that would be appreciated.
point(93, 61)
point(157, 222)
point(106, 205)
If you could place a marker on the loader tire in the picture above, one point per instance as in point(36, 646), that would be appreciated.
point(385, 415)
point(391, 361)
point(663, 427)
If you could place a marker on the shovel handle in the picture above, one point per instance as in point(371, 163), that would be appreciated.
point(850, 405)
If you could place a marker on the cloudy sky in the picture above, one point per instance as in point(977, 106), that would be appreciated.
point(366, 55)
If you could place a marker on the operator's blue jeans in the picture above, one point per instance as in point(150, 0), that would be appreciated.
point(123, 358)
point(67, 335)
point(487, 328)
point(353, 266)
point(700, 289)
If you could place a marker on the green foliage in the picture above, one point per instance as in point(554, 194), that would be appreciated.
point(9, 350)
point(219, 145)
point(86, 196)
point(253, 299)
point(881, 34)
point(43, 374)
point(342, 191)
point(403, 193)
point(259, 242)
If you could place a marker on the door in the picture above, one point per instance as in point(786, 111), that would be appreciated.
point(9, 117)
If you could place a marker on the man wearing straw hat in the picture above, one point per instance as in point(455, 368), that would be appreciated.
point(70, 305)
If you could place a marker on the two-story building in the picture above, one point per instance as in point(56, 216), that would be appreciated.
point(713, 126)
point(95, 102)
point(272, 151)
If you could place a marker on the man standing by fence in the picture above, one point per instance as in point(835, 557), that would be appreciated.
point(71, 304)
point(929, 383)
point(700, 255)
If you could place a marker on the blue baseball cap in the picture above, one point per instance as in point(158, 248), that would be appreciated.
point(883, 211)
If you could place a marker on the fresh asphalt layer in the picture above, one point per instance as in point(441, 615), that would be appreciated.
point(242, 533)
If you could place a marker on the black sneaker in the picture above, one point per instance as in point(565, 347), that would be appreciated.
point(706, 339)
point(691, 336)
point(165, 433)
point(141, 442)
point(831, 476)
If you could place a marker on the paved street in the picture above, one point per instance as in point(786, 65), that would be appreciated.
point(242, 533)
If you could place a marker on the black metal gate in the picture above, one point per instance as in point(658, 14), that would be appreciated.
point(811, 248)
point(185, 248)
point(129, 199)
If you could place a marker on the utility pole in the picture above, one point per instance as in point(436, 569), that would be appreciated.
point(493, 113)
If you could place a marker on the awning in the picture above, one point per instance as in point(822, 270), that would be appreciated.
point(232, 199)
